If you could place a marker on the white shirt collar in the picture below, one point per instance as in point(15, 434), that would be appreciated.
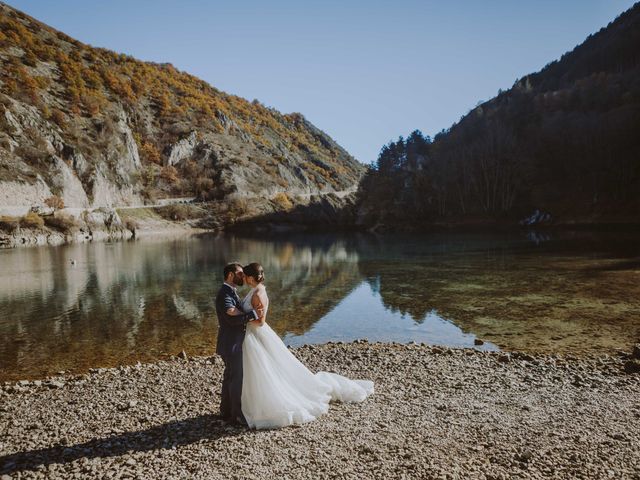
point(231, 287)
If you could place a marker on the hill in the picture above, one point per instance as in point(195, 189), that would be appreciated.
point(95, 128)
point(562, 146)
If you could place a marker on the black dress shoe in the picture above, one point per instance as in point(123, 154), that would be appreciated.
point(227, 420)
point(240, 421)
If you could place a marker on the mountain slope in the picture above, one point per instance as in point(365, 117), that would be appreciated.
point(564, 141)
point(97, 128)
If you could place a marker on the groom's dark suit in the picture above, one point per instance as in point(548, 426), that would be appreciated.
point(231, 333)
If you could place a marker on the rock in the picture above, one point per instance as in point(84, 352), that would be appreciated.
point(183, 355)
point(55, 384)
point(536, 218)
point(183, 149)
point(63, 179)
point(632, 366)
point(525, 456)
point(431, 415)
point(478, 341)
point(504, 358)
point(635, 353)
point(523, 356)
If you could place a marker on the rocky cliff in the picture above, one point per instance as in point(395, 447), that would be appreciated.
point(94, 128)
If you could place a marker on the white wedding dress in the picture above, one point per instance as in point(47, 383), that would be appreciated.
point(278, 390)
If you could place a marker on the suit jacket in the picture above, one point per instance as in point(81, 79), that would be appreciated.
point(231, 328)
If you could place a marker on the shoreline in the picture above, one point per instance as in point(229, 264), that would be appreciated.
point(437, 413)
point(56, 239)
point(505, 354)
point(253, 226)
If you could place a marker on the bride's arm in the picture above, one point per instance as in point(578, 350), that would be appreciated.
point(259, 300)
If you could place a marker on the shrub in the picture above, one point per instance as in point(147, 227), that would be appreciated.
point(93, 102)
point(148, 175)
point(282, 182)
point(30, 59)
point(203, 188)
point(64, 223)
point(10, 87)
point(283, 201)
point(237, 207)
point(9, 224)
point(92, 78)
point(131, 225)
point(177, 212)
point(54, 202)
point(150, 194)
point(149, 153)
point(58, 117)
point(32, 220)
point(191, 169)
point(169, 174)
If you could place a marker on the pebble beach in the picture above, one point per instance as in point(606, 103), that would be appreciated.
point(436, 413)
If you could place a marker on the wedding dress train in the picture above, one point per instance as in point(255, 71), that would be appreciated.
point(278, 390)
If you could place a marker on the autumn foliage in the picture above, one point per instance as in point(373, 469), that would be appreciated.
point(85, 84)
point(54, 202)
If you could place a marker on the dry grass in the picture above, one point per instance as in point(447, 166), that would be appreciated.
point(131, 224)
point(9, 224)
point(54, 202)
point(283, 201)
point(32, 220)
point(62, 222)
point(180, 212)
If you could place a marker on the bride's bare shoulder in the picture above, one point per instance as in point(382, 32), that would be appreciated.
point(261, 292)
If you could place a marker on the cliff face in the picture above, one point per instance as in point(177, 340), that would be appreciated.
point(560, 147)
point(99, 129)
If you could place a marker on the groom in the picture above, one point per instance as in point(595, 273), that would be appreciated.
point(232, 323)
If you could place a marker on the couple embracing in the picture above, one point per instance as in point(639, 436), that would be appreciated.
point(264, 385)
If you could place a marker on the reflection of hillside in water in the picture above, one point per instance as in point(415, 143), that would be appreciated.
point(305, 283)
point(128, 301)
point(579, 293)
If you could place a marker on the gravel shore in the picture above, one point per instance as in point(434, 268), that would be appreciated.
point(436, 413)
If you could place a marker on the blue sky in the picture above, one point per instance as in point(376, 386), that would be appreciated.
point(365, 72)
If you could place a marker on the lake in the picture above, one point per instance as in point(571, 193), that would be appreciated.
point(103, 304)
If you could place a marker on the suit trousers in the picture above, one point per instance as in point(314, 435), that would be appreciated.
point(230, 406)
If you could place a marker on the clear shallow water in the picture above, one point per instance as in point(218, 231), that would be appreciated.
point(128, 301)
point(363, 314)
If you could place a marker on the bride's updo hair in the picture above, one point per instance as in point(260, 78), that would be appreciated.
point(254, 270)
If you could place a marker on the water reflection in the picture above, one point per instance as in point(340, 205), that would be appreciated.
point(363, 314)
point(128, 301)
point(577, 293)
point(80, 306)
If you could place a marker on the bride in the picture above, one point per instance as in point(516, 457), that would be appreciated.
point(278, 390)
